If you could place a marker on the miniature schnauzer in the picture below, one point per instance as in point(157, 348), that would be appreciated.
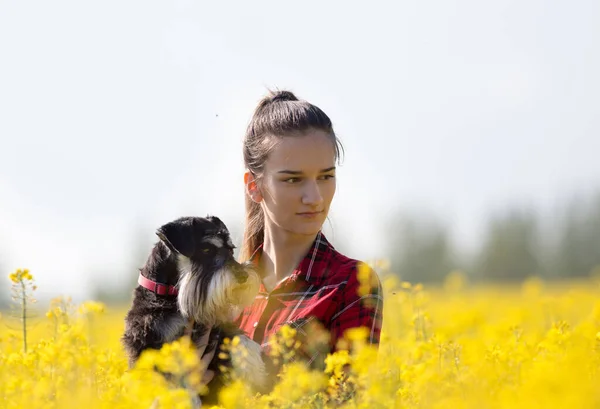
point(189, 283)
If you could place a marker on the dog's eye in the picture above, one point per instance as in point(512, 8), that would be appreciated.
point(206, 250)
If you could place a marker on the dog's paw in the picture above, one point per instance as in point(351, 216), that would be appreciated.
point(250, 366)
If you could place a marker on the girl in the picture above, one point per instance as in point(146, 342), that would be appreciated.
point(290, 152)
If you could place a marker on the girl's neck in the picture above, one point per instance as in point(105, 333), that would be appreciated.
point(282, 252)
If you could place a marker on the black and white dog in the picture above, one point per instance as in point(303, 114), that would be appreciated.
point(190, 282)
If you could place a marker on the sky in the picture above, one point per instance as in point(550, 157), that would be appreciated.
point(116, 117)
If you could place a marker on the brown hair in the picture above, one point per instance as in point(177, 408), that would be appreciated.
point(278, 114)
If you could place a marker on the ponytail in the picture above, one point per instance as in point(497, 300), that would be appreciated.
point(254, 232)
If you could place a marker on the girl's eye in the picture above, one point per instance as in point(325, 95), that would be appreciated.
point(296, 180)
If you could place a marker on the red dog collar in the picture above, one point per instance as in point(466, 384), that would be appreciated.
point(158, 288)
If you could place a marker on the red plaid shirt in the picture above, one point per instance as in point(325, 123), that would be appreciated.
point(325, 287)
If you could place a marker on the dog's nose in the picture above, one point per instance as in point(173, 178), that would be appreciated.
point(241, 275)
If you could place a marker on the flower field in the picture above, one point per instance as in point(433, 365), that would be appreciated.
point(526, 345)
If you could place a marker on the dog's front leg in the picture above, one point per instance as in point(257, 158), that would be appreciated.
point(252, 366)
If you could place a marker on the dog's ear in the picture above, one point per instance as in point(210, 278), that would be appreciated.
point(177, 237)
point(215, 220)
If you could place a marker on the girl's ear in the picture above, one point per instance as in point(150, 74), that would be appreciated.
point(252, 187)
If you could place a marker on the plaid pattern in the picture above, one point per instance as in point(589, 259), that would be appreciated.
point(324, 287)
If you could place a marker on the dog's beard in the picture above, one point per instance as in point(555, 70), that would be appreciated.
point(224, 298)
point(243, 295)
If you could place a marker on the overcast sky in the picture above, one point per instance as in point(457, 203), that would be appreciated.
point(117, 116)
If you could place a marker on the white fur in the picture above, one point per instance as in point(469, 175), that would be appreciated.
point(184, 264)
point(217, 303)
point(243, 295)
point(224, 297)
point(250, 368)
point(172, 328)
point(188, 296)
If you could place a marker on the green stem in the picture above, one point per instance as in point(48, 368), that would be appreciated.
point(24, 315)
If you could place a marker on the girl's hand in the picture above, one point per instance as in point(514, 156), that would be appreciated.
point(206, 357)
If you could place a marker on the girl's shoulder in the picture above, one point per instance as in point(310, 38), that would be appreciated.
point(327, 266)
point(351, 271)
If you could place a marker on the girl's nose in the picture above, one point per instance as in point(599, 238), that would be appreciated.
point(312, 194)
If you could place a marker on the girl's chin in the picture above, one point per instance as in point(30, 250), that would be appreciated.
point(308, 228)
point(302, 227)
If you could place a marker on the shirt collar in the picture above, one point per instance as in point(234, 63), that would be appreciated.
point(312, 267)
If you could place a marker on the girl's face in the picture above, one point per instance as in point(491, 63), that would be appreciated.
point(298, 183)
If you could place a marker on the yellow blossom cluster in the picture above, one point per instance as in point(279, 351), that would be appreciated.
point(523, 345)
point(20, 275)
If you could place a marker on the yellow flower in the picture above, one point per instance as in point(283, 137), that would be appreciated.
point(234, 396)
point(336, 362)
point(297, 383)
point(287, 332)
point(20, 275)
point(490, 347)
point(93, 307)
point(358, 334)
point(455, 281)
point(367, 279)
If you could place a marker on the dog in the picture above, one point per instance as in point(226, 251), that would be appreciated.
point(189, 283)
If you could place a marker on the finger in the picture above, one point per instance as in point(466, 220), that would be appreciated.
point(206, 358)
point(208, 376)
point(203, 342)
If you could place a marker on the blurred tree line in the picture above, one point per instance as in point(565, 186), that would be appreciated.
point(516, 243)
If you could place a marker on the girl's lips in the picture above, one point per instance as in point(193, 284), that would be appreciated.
point(309, 214)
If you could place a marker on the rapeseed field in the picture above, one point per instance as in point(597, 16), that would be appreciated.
point(525, 345)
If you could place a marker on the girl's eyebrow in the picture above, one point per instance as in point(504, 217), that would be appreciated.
point(298, 172)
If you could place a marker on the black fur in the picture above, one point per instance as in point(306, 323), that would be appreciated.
point(154, 320)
